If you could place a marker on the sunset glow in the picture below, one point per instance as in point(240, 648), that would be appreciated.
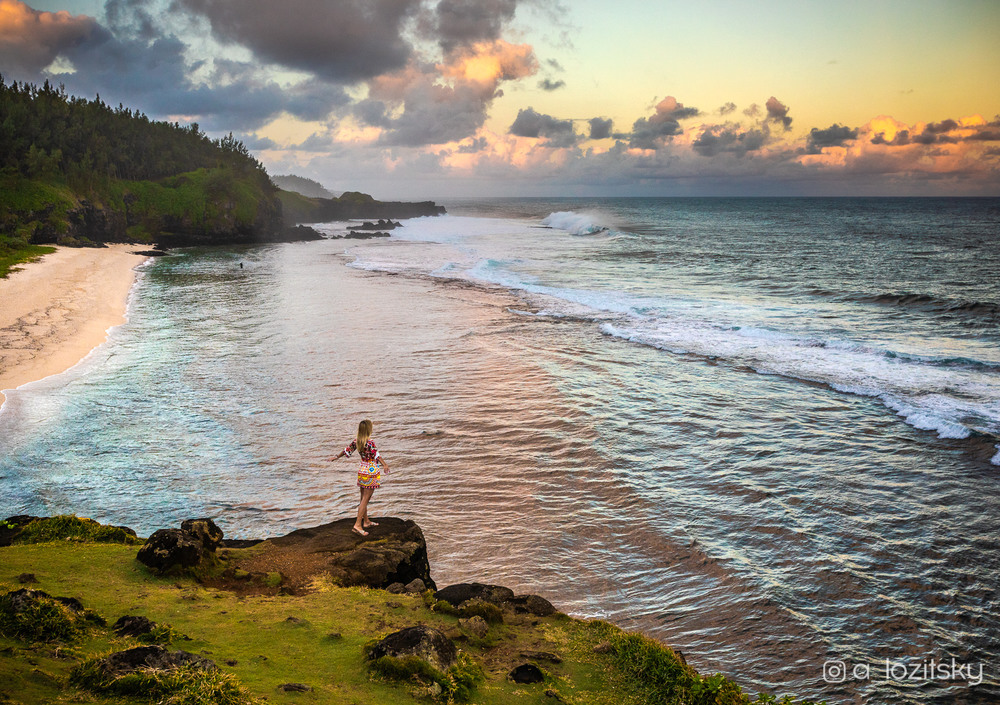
point(783, 98)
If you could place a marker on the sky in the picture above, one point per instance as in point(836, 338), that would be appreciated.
point(448, 98)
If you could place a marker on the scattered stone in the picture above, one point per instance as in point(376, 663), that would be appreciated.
point(295, 620)
point(133, 625)
point(526, 673)
point(393, 605)
point(553, 694)
point(396, 588)
point(294, 688)
point(603, 648)
point(421, 641)
point(151, 657)
point(25, 578)
point(542, 656)
point(461, 592)
point(231, 662)
point(334, 636)
point(475, 625)
point(415, 586)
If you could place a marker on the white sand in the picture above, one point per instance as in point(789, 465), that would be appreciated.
point(56, 310)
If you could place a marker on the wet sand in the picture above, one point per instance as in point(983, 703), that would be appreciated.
point(53, 312)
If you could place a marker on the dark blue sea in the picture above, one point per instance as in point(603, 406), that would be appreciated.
point(763, 430)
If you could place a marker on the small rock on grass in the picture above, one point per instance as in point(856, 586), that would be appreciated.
point(25, 578)
point(603, 648)
point(526, 673)
point(294, 688)
point(475, 625)
point(133, 625)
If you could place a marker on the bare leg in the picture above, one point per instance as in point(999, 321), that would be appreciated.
point(366, 494)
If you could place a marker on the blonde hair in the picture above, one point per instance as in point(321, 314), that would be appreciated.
point(364, 432)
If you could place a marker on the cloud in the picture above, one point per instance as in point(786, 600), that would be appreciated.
point(600, 128)
point(549, 85)
point(778, 112)
point(31, 40)
point(652, 132)
point(726, 109)
point(558, 133)
point(730, 139)
point(464, 22)
point(345, 41)
point(438, 103)
point(834, 136)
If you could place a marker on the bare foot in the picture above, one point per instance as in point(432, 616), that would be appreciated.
point(358, 530)
point(370, 523)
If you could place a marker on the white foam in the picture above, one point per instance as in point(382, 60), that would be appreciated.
point(996, 458)
point(952, 402)
point(575, 223)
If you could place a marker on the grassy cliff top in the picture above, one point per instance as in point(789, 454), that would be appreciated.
point(319, 639)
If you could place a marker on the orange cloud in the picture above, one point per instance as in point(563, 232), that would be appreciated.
point(31, 40)
point(491, 62)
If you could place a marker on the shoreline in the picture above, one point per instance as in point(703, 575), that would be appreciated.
point(57, 310)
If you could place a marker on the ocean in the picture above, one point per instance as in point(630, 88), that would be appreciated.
point(765, 431)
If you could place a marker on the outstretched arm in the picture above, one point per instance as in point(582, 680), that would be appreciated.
point(384, 464)
point(338, 456)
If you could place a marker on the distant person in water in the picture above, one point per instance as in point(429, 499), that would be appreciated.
point(369, 472)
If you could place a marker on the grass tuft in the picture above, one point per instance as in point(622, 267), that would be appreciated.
point(455, 685)
point(67, 527)
point(178, 686)
point(42, 618)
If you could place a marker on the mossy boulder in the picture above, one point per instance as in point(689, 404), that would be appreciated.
point(171, 551)
point(34, 615)
point(423, 642)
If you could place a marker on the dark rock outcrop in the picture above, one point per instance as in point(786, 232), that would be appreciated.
point(157, 657)
point(356, 235)
point(421, 641)
point(353, 205)
point(173, 550)
point(462, 592)
point(393, 552)
point(382, 224)
point(530, 604)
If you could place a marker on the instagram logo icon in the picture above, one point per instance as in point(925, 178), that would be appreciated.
point(834, 671)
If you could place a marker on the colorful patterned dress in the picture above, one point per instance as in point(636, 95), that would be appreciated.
point(369, 473)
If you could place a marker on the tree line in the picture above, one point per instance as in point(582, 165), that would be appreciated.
point(46, 133)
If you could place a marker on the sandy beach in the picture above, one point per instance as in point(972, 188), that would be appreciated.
point(56, 310)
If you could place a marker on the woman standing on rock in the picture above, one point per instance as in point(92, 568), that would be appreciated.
point(369, 474)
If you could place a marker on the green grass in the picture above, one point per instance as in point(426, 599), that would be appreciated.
point(253, 640)
point(16, 251)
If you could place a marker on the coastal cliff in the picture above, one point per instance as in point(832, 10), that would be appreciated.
point(92, 613)
point(77, 172)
